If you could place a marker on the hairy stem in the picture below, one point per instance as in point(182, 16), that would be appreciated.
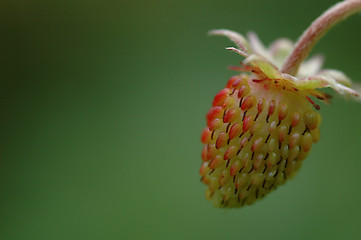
point(317, 29)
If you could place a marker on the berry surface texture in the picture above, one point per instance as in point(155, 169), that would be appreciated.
point(262, 125)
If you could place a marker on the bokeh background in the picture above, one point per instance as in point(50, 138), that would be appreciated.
point(102, 105)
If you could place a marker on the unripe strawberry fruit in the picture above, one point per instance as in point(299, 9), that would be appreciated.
point(257, 136)
point(263, 123)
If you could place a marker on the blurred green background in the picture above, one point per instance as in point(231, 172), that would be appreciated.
point(102, 105)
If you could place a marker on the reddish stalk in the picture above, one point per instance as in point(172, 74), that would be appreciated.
point(316, 30)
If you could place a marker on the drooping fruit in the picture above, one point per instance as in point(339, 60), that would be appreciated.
point(257, 136)
point(263, 123)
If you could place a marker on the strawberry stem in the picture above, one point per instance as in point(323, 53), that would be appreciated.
point(316, 30)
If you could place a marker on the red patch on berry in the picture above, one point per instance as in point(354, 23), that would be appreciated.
point(247, 123)
point(221, 96)
point(231, 114)
point(249, 102)
point(206, 136)
point(214, 112)
point(235, 130)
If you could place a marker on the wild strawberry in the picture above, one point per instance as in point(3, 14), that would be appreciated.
point(263, 123)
